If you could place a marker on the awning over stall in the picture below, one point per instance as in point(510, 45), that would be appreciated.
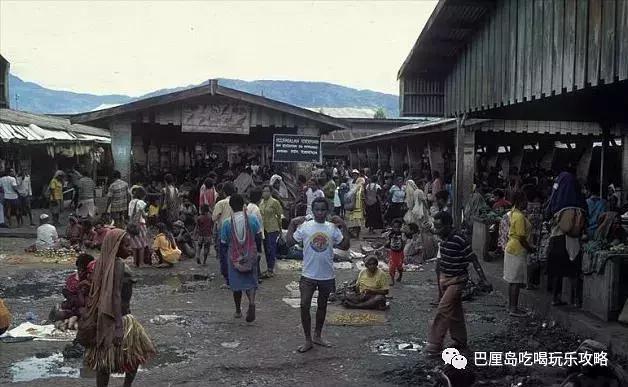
point(22, 127)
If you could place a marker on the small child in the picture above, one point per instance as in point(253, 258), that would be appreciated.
point(203, 233)
point(153, 211)
point(395, 244)
point(412, 249)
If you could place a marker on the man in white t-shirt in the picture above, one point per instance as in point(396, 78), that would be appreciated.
point(11, 198)
point(319, 238)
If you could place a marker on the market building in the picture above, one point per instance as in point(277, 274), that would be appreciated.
point(515, 85)
point(530, 64)
point(359, 127)
point(42, 144)
point(180, 129)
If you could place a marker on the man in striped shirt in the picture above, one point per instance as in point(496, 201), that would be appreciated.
point(453, 258)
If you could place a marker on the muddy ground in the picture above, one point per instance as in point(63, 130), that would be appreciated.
point(205, 346)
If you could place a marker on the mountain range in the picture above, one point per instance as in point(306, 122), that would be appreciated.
point(338, 100)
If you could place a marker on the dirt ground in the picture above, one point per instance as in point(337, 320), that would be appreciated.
point(205, 346)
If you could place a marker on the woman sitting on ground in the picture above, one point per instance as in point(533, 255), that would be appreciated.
point(74, 232)
point(371, 288)
point(165, 247)
point(76, 291)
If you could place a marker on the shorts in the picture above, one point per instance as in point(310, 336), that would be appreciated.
point(13, 203)
point(55, 207)
point(396, 259)
point(308, 286)
point(25, 201)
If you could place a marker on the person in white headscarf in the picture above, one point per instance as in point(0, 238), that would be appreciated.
point(416, 204)
point(279, 187)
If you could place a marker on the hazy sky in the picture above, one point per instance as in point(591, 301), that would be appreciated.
point(139, 46)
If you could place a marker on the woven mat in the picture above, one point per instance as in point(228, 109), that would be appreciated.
point(338, 315)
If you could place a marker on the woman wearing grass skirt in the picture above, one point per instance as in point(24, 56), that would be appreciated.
point(115, 341)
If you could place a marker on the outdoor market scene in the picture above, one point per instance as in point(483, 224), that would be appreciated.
point(464, 225)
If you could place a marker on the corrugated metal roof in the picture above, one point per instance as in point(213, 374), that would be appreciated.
point(433, 126)
point(17, 117)
point(33, 133)
point(450, 26)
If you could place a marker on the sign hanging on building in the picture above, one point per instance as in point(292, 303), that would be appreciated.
point(215, 118)
point(290, 148)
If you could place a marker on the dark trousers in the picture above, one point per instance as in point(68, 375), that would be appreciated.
point(449, 315)
point(270, 248)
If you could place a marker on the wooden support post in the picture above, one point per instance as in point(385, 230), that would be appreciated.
point(465, 168)
point(121, 147)
point(435, 154)
point(379, 158)
point(584, 164)
point(605, 139)
point(624, 163)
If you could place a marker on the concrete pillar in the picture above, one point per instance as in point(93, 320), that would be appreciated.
point(121, 147)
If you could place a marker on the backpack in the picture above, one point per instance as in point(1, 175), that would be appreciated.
point(243, 254)
point(571, 221)
point(350, 199)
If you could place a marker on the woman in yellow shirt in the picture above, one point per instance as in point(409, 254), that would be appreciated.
point(515, 254)
point(372, 287)
point(56, 196)
point(166, 247)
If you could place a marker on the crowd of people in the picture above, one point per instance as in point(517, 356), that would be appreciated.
point(243, 215)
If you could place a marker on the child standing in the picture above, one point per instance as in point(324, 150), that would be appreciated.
point(203, 234)
point(153, 211)
point(395, 244)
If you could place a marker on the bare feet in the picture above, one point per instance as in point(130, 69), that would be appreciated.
point(321, 342)
point(305, 347)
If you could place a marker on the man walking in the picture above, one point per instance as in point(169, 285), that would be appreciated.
point(25, 189)
point(85, 207)
point(319, 238)
point(118, 199)
point(455, 254)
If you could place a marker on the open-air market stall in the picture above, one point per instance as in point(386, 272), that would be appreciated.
point(43, 144)
point(204, 125)
point(552, 78)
